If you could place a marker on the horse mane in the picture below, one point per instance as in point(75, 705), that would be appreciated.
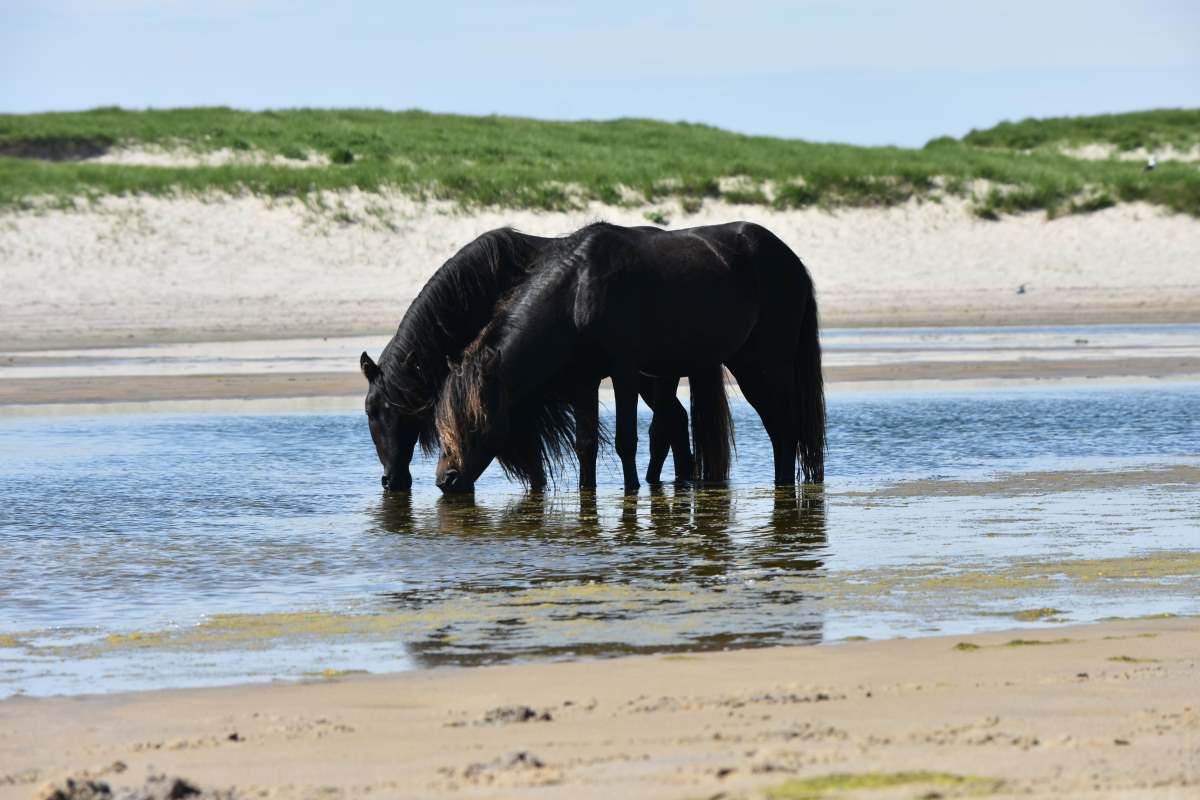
point(541, 435)
point(456, 302)
point(543, 440)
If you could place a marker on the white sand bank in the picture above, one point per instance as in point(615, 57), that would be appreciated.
point(152, 156)
point(149, 269)
point(1103, 152)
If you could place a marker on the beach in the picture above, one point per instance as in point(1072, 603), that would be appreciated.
point(132, 304)
point(1099, 711)
point(151, 270)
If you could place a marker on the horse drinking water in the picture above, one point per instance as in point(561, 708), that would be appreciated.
point(447, 314)
point(619, 302)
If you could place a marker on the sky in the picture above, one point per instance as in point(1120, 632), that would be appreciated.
point(865, 72)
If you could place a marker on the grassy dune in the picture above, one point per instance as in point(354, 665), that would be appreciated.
point(1172, 127)
point(523, 163)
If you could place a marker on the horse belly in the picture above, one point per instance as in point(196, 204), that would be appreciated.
point(678, 337)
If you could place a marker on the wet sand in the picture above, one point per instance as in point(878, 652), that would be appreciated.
point(317, 367)
point(120, 389)
point(1099, 711)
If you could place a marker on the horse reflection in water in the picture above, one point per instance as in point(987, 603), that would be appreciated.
point(551, 575)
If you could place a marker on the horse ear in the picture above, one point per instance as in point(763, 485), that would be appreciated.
point(370, 369)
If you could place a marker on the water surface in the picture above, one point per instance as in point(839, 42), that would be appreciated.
point(143, 550)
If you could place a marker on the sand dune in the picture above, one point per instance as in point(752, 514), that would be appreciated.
point(150, 269)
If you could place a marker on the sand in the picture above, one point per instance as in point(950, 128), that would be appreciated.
point(152, 156)
point(1101, 711)
point(1104, 152)
point(156, 270)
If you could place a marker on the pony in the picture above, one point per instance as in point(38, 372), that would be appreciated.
point(619, 302)
point(448, 313)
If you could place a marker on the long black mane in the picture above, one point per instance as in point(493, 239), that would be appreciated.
point(447, 314)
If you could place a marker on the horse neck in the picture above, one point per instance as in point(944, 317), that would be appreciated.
point(536, 349)
point(460, 299)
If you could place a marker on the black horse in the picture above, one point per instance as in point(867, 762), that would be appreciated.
point(620, 301)
point(448, 313)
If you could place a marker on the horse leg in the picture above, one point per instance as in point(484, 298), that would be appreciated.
point(771, 393)
point(625, 388)
point(668, 428)
point(660, 442)
point(586, 405)
point(681, 435)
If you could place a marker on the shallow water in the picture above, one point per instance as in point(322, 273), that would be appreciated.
point(175, 549)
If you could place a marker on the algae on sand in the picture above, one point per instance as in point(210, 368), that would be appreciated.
point(1035, 614)
point(836, 785)
point(329, 673)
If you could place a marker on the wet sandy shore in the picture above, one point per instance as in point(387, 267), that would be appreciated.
point(118, 389)
point(1099, 711)
point(327, 366)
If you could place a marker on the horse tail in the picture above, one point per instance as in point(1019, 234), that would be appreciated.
point(712, 425)
point(810, 394)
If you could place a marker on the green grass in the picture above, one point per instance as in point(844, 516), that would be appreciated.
point(1173, 127)
point(523, 163)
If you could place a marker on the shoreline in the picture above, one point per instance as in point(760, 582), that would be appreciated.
point(1184, 311)
point(854, 359)
point(303, 385)
point(1101, 710)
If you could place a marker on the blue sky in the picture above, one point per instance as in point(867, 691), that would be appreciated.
point(866, 72)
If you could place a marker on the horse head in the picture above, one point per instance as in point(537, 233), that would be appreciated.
point(472, 420)
point(395, 429)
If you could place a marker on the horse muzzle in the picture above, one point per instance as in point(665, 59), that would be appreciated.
point(451, 481)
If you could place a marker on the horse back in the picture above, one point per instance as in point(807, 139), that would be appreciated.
point(668, 297)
